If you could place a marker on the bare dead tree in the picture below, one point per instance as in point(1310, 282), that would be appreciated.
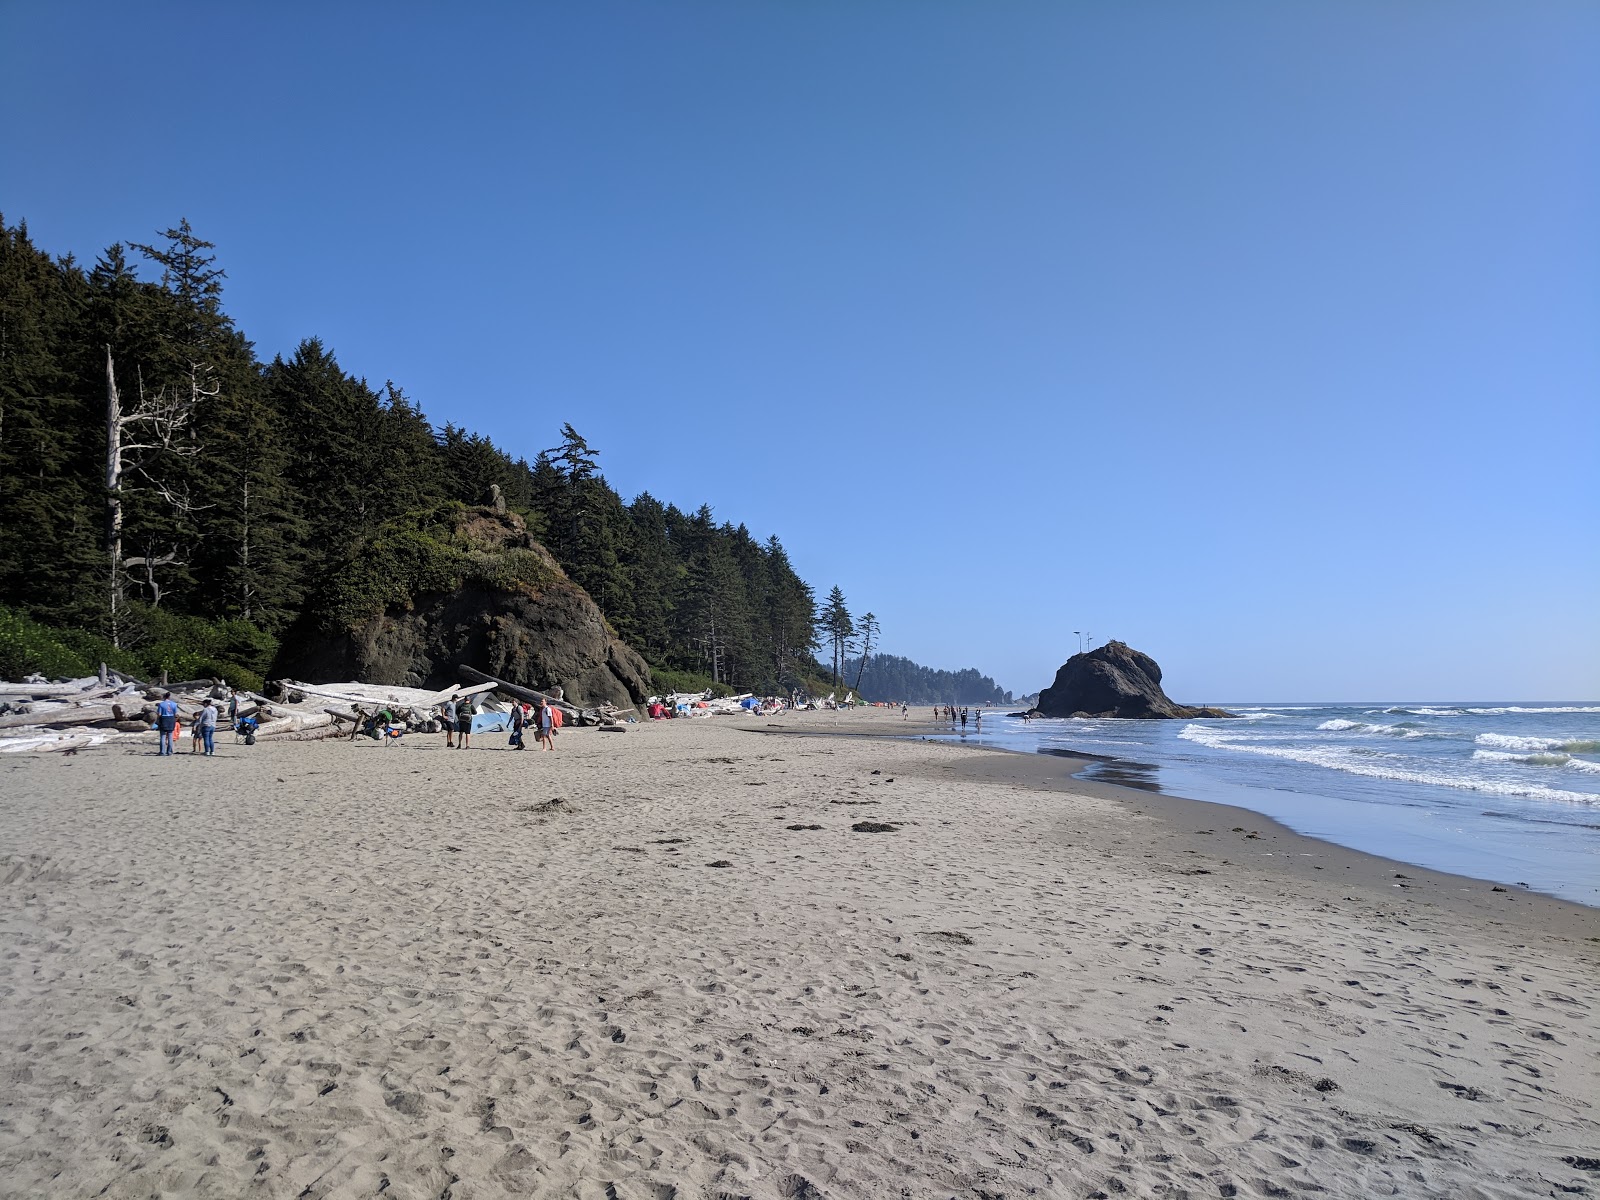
point(155, 424)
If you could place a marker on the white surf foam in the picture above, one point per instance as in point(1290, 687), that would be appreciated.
point(1494, 712)
point(1342, 758)
point(1533, 745)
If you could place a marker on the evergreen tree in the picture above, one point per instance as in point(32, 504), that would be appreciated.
point(49, 534)
point(838, 628)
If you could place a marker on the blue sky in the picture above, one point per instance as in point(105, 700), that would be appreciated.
point(1263, 336)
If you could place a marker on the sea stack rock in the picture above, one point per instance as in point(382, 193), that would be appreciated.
point(430, 592)
point(1114, 680)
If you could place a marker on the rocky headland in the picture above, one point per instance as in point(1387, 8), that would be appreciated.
point(431, 592)
point(1114, 680)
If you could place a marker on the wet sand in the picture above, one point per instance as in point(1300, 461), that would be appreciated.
point(666, 963)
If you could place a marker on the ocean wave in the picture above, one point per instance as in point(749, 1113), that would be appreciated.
point(1495, 712)
point(1544, 759)
point(1402, 729)
point(1340, 758)
point(1533, 745)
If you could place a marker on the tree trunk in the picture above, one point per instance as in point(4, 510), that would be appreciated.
point(114, 497)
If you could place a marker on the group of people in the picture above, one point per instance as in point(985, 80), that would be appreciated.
point(948, 712)
point(169, 724)
point(542, 717)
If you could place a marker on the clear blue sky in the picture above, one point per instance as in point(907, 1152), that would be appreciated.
point(1263, 336)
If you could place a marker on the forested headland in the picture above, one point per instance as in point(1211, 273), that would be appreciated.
point(168, 500)
point(889, 677)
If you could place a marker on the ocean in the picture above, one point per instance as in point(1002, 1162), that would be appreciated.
point(1495, 791)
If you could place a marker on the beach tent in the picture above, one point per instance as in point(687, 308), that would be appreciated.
point(750, 702)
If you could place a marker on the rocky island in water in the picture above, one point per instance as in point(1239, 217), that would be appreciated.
point(1113, 680)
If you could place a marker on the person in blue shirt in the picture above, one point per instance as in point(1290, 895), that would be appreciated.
point(166, 721)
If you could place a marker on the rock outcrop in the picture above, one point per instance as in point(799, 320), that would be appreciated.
point(431, 592)
point(1113, 680)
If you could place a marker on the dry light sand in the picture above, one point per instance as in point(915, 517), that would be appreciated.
point(662, 964)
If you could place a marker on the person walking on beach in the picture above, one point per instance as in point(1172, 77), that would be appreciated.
point(464, 725)
point(205, 726)
point(977, 720)
point(542, 716)
point(449, 710)
point(519, 721)
point(963, 720)
point(166, 721)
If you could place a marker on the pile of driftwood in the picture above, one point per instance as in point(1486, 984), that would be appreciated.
point(40, 715)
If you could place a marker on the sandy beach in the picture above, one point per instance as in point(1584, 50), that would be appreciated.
point(735, 959)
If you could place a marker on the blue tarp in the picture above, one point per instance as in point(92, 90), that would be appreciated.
point(490, 722)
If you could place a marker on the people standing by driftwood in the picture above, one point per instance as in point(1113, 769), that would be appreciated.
point(545, 722)
point(196, 741)
point(205, 726)
point(448, 712)
point(518, 723)
point(464, 725)
point(166, 722)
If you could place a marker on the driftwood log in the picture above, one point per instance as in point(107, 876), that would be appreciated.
point(473, 675)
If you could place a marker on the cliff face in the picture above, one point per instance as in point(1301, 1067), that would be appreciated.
point(431, 592)
point(1113, 680)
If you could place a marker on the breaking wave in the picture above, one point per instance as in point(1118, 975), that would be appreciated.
point(1534, 745)
point(1349, 761)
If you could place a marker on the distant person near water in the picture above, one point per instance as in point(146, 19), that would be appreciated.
point(963, 720)
point(166, 721)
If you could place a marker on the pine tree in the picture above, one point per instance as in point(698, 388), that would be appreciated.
point(839, 627)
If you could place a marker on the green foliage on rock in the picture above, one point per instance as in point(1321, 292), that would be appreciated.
point(431, 551)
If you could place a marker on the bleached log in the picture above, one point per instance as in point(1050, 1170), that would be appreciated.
point(521, 693)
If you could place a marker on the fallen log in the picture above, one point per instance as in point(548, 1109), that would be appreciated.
point(474, 675)
point(58, 716)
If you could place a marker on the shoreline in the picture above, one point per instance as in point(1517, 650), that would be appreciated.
point(686, 962)
point(1158, 797)
point(1295, 856)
